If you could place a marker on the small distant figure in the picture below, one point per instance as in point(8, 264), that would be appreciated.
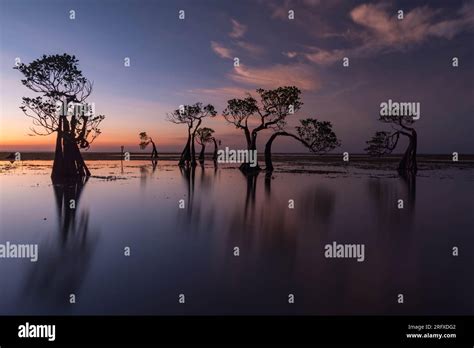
point(145, 140)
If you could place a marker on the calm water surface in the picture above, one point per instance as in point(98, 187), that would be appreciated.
point(190, 251)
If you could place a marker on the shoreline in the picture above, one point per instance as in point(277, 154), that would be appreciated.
point(140, 156)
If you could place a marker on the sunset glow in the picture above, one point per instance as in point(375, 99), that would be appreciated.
point(183, 62)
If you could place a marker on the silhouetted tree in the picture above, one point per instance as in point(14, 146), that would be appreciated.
point(317, 136)
point(145, 140)
point(192, 116)
point(383, 143)
point(203, 137)
point(270, 112)
point(61, 108)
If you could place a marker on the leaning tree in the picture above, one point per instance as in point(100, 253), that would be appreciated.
point(269, 112)
point(317, 136)
point(192, 116)
point(61, 108)
point(204, 137)
point(146, 140)
point(384, 143)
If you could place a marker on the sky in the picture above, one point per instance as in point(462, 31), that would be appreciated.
point(177, 61)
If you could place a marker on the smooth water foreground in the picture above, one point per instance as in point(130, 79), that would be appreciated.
point(190, 251)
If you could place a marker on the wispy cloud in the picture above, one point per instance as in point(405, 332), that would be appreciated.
point(237, 43)
point(238, 29)
point(378, 30)
point(250, 78)
point(221, 51)
point(250, 48)
point(299, 75)
point(291, 54)
point(417, 25)
point(324, 57)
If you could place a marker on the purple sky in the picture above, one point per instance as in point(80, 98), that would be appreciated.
point(177, 62)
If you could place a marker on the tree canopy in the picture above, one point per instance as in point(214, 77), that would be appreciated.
point(204, 135)
point(62, 88)
point(317, 135)
point(271, 110)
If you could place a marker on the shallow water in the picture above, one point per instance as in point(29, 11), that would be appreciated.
point(190, 251)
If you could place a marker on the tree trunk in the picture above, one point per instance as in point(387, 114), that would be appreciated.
point(201, 154)
point(154, 153)
point(193, 150)
point(58, 164)
point(251, 146)
point(214, 156)
point(253, 143)
point(81, 165)
point(268, 148)
point(70, 169)
point(185, 154)
point(408, 163)
point(248, 138)
point(68, 162)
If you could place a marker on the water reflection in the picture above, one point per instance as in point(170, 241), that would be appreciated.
point(191, 249)
point(63, 262)
point(320, 201)
point(146, 173)
point(188, 173)
point(386, 197)
point(251, 180)
point(410, 186)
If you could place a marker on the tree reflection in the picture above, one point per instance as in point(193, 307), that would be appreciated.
point(386, 195)
point(63, 262)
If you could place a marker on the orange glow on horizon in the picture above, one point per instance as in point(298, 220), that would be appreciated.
point(23, 141)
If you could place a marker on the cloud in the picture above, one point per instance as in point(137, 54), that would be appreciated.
point(378, 30)
point(238, 29)
point(290, 54)
point(318, 55)
point(324, 57)
point(221, 51)
point(390, 30)
point(450, 28)
point(417, 25)
point(250, 48)
point(299, 75)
